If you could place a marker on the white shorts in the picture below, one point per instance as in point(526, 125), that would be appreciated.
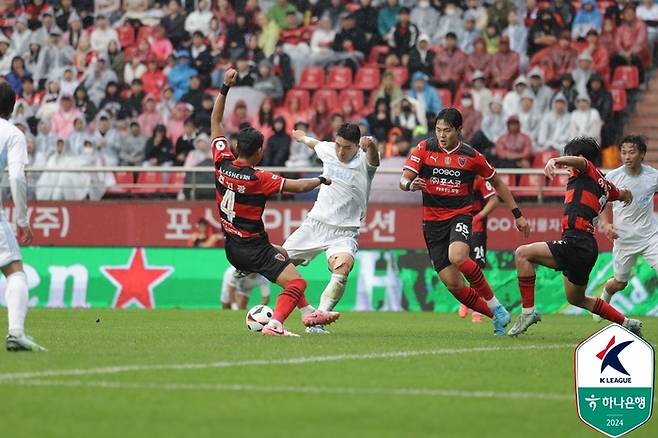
point(624, 258)
point(243, 284)
point(9, 249)
point(314, 237)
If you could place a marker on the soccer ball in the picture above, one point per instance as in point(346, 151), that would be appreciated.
point(258, 317)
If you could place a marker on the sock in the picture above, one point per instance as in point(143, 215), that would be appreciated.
point(16, 296)
point(527, 288)
point(474, 275)
point(606, 311)
point(333, 292)
point(607, 296)
point(306, 310)
point(467, 296)
point(493, 303)
point(288, 299)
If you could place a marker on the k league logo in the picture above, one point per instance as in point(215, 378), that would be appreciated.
point(614, 372)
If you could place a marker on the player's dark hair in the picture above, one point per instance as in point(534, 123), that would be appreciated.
point(639, 141)
point(350, 132)
point(587, 147)
point(451, 116)
point(249, 141)
point(7, 99)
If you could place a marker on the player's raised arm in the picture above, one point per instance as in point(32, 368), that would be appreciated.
point(301, 137)
point(553, 164)
point(607, 228)
point(369, 146)
point(216, 125)
point(305, 184)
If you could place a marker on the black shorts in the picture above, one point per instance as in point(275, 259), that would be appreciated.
point(575, 255)
point(440, 234)
point(255, 255)
point(479, 249)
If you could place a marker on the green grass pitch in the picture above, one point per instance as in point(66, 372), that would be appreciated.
point(186, 373)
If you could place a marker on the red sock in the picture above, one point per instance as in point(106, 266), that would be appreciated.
point(606, 311)
point(303, 302)
point(475, 277)
point(472, 300)
point(289, 298)
point(527, 288)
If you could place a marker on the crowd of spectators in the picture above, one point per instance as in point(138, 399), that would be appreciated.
point(132, 82)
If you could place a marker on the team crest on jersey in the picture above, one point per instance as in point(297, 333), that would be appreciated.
point(448, 161)
point(461, 161)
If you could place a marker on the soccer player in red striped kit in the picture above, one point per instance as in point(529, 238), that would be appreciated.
point(576, 252)
point(241, 192)
point(445, 168)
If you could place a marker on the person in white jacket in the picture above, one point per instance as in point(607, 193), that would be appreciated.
point(199, 19)
point(554, 126)
point(512, 100)
point(585, 120)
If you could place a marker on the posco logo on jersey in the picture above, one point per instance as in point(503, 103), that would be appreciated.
point(448, 172)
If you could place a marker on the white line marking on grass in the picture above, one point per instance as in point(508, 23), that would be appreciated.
point(269, 362)
point(412, 392)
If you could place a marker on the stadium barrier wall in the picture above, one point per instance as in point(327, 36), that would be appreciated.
point(382, 280)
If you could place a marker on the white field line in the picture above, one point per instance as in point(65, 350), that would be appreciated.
point(269, 362)
point(378, 391)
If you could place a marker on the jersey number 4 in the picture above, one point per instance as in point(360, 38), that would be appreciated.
point(228, 204)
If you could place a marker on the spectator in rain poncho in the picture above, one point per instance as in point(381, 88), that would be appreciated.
point(78, 136)
point(61, 186)
point(588, 17)
point(512, 99)
point(540, 91)
point(95, 183)
point(493, 126)
point(107, 140)
point(554, 126)
point(300, 154)
point(481, 94)
point(426, 95)
point(97, 77)
point(62, 120)
point(450, 22)
point(425, 17)
point(583, 72)
point(132, 147)
point(200, 153)
point(529, 117)
point(179, 76)
point(199, 19)
point(585, 120)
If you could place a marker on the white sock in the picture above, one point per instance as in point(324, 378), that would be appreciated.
point(625, 323)
point(606, 296)
point(307, 310)
point(16, 297)
point(493, 303)
point(333, 292)
point(528, 310)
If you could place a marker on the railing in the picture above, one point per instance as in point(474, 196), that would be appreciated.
point(170, 181)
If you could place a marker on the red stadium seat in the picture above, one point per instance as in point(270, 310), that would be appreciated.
point(124, 182)
point(541, 158)
point(619, 99)
point(529, 185)
point(152, 181)
point(626, 77)
point(339, 78)
point(144, 32)
point(174, 184)
point(126, 35)
point(446, 97)
point(303, 95)
point(377, 55)
point(367, 78)
point(401, 75)
point(312, 78)
point(354, 96)
point(329, 96)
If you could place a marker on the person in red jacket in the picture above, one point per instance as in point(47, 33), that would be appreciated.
point(631, 42)
point(154, 80)
point(450, 64)
point(504, 67)
point(513, 149)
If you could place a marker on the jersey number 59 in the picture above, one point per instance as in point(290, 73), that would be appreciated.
point(228, 204)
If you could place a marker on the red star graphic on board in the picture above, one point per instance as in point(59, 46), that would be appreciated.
point(136, 280)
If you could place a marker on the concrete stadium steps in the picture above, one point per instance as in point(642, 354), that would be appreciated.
point(644, 120)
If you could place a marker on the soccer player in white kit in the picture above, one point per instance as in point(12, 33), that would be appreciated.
point(332, 225)
point(13, 155)
point(634, 230)
point(237, 288)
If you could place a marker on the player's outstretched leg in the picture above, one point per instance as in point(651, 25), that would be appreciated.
point(294, 287)
point(524, 258)
point(16, 298)
point(340, 266)
point(611, 287)
point(576, 297)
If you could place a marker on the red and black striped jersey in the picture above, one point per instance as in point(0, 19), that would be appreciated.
point(482, 190)
point(241, 192)
point(587, 193)
point(449, 176)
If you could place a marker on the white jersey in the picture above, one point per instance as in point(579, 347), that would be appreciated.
point(344, 202)
point(637, 223)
